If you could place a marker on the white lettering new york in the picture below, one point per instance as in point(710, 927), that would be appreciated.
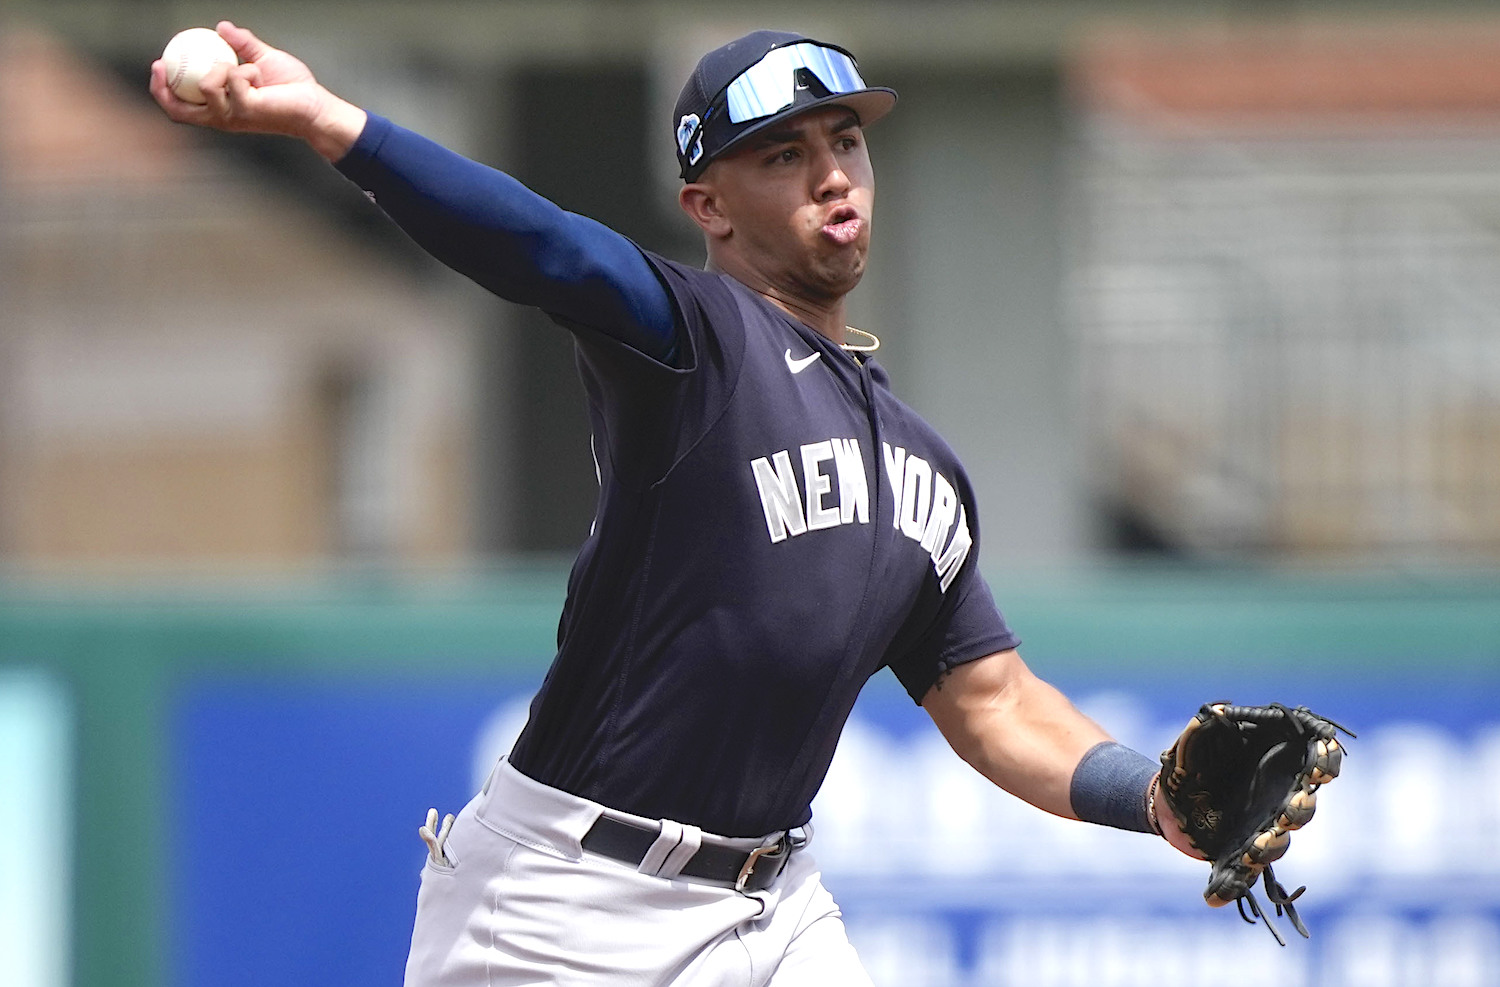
point(927, 508)
point(925, 503)
point(793, 511)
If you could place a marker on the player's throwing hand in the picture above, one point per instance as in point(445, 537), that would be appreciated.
point(269, 92)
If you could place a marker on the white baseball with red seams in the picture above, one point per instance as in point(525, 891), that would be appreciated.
point(189, 56)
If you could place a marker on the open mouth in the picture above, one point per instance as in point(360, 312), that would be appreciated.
point(843, 225)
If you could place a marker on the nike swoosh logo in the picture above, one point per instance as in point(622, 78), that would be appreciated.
point(797, 366)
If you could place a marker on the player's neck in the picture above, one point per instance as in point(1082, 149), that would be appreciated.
point(827, 321)
point(825, 317)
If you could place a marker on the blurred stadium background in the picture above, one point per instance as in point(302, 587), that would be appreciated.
point(1206, 294)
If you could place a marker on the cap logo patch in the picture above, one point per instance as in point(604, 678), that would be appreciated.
point(685, 128)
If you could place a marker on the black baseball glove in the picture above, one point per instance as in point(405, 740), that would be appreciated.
point(1239, 779)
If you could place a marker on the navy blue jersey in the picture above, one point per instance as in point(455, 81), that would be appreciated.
point(774, 526)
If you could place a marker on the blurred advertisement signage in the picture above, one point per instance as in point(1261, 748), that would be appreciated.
point(35, 830)
point(945, 880)
point(300, 806)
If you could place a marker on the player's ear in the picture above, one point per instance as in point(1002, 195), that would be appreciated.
point(703, 204)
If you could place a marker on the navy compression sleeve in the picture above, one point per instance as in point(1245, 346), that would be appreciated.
point(524, 248)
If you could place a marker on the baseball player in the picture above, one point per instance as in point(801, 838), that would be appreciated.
point(774, 526)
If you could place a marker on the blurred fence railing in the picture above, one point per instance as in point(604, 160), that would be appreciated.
point(1292, 340)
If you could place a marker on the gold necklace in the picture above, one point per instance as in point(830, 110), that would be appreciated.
point(870, 347)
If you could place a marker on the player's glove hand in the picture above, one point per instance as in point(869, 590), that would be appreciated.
point(1238, 780)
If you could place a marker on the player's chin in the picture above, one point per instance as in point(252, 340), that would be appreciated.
point(836, 277)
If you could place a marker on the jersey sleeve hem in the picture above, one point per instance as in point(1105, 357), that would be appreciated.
point(680, 360)
point(918, 684)
point(652, 413)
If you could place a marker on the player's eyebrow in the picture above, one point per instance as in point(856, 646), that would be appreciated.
point(791, 135)
point(770, 137)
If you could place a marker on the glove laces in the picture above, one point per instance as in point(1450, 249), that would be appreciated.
point(1277, 896)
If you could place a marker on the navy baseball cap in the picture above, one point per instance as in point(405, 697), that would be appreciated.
point(763, 77)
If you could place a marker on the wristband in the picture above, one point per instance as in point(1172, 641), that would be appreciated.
point(1112, 787)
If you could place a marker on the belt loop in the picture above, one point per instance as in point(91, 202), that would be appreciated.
point(666, 842)
point(691, 840)
point(489, 779)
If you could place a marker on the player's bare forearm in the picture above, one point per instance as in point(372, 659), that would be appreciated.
point(268, 92)
point(1015, 729)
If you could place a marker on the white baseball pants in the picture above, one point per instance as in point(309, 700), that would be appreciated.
point(522, 903)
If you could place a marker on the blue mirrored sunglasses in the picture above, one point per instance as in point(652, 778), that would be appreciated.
point(770, 85)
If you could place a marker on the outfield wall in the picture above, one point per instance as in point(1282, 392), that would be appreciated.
point(248, 764)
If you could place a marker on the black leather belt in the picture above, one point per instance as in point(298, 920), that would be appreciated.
point(751, 870)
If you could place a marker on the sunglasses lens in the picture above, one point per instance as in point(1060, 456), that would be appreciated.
point(768, 86)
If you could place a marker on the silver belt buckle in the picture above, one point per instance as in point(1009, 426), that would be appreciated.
point(754, 855)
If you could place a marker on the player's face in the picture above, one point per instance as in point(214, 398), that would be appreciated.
point(798, 200)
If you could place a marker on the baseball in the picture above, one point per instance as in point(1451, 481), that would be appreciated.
point(189, 56)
